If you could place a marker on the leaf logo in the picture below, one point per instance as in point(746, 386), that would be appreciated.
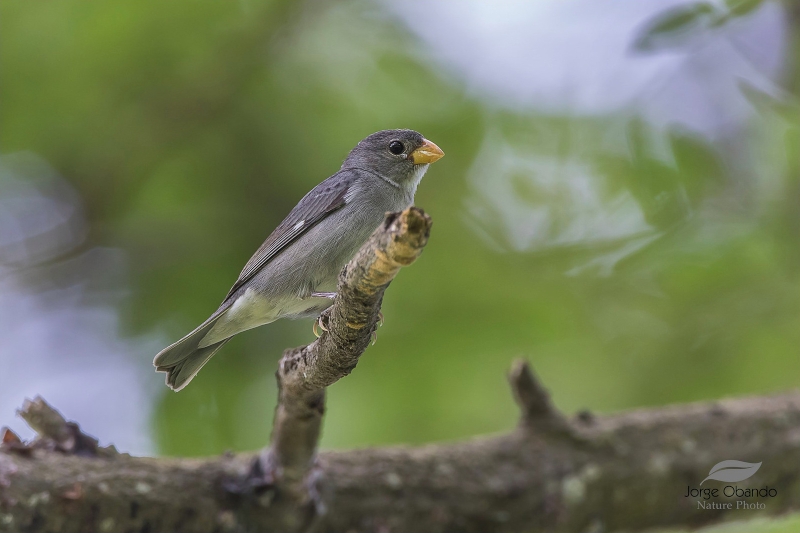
point(732, 471)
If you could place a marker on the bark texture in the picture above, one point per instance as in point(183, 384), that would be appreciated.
point(625, 472)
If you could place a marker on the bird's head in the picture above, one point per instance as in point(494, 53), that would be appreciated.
point(398, 155)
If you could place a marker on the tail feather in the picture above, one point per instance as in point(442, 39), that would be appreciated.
point(181, 373)
point(182, 360)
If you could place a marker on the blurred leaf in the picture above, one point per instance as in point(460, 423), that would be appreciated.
point(657, 186)
point(699, 167)
point(738, 8)
point(763, 101)
point(674, 27)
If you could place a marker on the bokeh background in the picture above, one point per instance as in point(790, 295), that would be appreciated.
point(620, 203)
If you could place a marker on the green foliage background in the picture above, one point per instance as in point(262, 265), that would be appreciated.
point(191, 129)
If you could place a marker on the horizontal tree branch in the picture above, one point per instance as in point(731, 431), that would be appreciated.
point(623, 472)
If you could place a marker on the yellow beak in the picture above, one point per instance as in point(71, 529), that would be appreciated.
point(427, 153)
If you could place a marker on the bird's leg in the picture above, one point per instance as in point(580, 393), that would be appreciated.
point(328, 295)
point(320, 323)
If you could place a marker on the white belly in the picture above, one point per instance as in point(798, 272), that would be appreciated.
point(253, 309)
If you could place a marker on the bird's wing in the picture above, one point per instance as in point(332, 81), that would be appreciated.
point(315, 206)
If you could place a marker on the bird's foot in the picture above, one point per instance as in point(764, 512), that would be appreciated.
point(374, 337)
point(380, 318)
point(320, 322)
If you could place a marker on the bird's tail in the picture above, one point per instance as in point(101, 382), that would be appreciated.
point(182, 360)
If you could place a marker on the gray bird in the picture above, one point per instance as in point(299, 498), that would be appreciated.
point(294, 273)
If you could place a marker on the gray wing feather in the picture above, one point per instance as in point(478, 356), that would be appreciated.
point(315, 206)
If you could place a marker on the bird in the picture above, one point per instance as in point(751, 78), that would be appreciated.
point(294, 273)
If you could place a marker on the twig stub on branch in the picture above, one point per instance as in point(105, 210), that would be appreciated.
point(538, 412)
point(56, 433)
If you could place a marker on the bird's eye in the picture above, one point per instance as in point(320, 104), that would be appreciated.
point(396, 147)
